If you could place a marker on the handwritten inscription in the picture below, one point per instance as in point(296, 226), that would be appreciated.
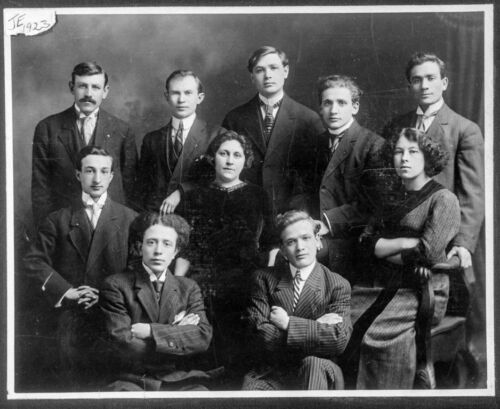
point(29, 22)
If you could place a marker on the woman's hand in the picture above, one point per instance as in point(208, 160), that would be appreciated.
point(423, 273)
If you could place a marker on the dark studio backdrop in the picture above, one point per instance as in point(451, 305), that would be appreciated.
point(139, 52)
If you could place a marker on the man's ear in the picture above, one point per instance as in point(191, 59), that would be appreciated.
point(71, 86)
point(282, 252)
point(201, 97)
point(77, 174)
point(105, 91)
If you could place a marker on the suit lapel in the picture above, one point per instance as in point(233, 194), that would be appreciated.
point(69, 137)
point(146, 294)
point(103, 129)
point(79, 233)
point(283, 127)
point(169, 301)
point(344, 149)
point(284, 290)
point(251, 121)
point(310, 296)
point(104, 232)
point(437, 129)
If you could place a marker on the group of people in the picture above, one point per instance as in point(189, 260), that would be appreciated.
point(251, 255)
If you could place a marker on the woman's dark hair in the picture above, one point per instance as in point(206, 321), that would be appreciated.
point(435, 156)
point(145, 220)
point(232, 136)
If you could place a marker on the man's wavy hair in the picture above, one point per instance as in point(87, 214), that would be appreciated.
point(147, 219)
point(435, 156)
point(293, 216)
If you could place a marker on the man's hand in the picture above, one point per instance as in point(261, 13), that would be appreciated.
point(330, 318)
point(171, 202)
point(463, 254)
point(279, 318)
point(140, 330)
point(423, 273)
point(409, 242)
point(89, 296)
point(190, 319)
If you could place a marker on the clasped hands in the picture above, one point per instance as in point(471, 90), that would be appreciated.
point(280, 319)
point(143, 331)
point(85, 296)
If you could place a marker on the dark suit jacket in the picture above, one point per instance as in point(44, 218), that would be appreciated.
point(464, 173)
point(65, 254)
point(158, 178)
point(323, 292)
point(343, 200)
point(55, 146)
point(128, 298)
point(272, 167)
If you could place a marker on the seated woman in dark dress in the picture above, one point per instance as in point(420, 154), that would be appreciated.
point(227, 218)
point(409, 239)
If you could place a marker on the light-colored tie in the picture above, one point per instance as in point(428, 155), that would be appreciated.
point(87, 128)
point(421, 121)
point(296, 288)
point(95, 214)
point(158, 285)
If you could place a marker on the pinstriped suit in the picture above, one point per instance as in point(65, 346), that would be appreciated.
point(305, 351)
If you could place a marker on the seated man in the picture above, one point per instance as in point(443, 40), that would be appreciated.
point(299, 315)
point(75, 249)
point(153, 319)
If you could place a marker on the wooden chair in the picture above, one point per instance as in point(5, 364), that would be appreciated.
point(445, 345)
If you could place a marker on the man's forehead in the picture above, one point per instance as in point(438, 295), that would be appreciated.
point(297, 229)
point(187, 82)
point(426, 68)
point(160, 232)
point(94, 78)
point(97, 161)
point(337, 92)
point(269, 59)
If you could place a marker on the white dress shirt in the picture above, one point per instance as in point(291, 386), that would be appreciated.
point(187, 123)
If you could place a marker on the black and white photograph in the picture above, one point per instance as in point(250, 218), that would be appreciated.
point(249, 202)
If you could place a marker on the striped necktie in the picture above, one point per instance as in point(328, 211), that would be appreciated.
point(296, 288)
point(422, 123)
point(178, 140)
point(335, 141)
point(269, 119)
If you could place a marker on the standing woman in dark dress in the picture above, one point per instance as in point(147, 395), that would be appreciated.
point(227, 218)
point(410, 239)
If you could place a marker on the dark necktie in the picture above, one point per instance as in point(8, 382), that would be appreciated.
point(178, 140)
point(335, 141)
point(269, 119)
point(296, 288)
point(158, 285)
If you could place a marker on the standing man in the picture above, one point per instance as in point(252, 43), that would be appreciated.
point(75, 249)
point(167, 154)
point(464, 174)
point(154, 320)
point(299, 315)
point(274, 123)
point(60, 137)
point(344, 156)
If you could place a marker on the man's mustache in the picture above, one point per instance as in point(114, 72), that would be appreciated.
point(88, 99)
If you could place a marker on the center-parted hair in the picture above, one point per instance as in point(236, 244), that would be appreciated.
point(261, 52)
point(419, 58)
point(435, 156)
point(91, 150)
point(339, 81)
point(184, 73)
point(147, 219)
point(88, 68)
point(293, 216)
point(232, 136)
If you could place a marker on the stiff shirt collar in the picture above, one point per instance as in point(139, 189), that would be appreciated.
point(87, 200)
point(152, 276)
point(342, 129)
point(304, 272)
point(431, 108)
point(80, 114)
point(187, 123)
point(273, 100)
